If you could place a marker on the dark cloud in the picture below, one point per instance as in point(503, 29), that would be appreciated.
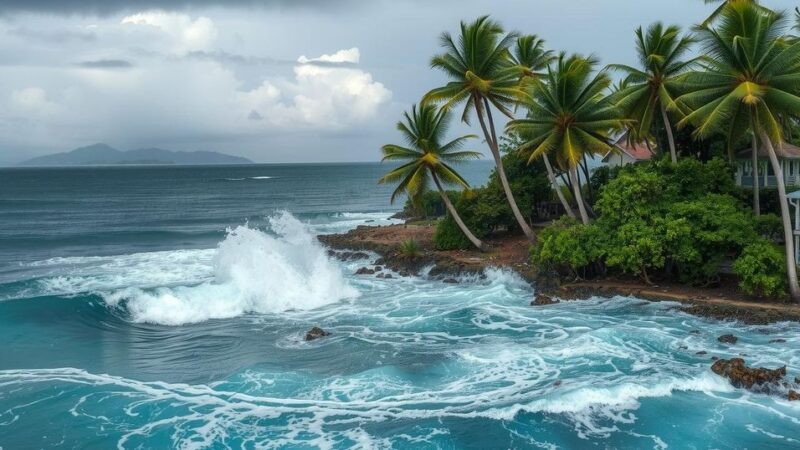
point(254, 115)
point(51, 36)
point(106, 7)
point(106, 64)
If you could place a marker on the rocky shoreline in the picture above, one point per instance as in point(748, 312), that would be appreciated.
point(511, 252)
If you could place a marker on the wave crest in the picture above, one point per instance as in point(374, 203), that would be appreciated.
point(254, 272)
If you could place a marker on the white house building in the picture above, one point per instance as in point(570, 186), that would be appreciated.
point(788, 157)
point(627, 153)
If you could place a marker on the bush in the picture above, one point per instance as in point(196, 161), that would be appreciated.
point(678, 220)
point(770, 227)
point(567, 246)
point(761, 270)
point(409, 249)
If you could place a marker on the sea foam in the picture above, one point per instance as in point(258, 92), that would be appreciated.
point(254, 272)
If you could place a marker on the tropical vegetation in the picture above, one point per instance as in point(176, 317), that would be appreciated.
point(695, 99)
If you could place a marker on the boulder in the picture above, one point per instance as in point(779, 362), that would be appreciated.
point(316, 333)
point(365, 271)
point(387, 276)
point(543, 300)
point(755, 379)
point(793, 396)
point(728, 339)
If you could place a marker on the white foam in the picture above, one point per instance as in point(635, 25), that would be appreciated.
point(253, 273)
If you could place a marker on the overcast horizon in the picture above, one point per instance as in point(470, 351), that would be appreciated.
point(273, 81)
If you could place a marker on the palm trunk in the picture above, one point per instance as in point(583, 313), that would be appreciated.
point(576, 189)
point(672, 152)
point(756, 200)
point(589, 190)
point(491, 139)
point(452, 210)
point(557, 188)
point(791, 267)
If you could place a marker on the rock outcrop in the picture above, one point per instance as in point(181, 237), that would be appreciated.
point(728, 339)
point(316, 333)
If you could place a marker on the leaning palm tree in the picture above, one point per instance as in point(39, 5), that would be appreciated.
point(569, 117)
point(428, 158)
point(532, 58)
point(482, 76)
point(651, 87)
point(750, 80)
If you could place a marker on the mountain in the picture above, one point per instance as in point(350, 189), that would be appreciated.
point(102, 154)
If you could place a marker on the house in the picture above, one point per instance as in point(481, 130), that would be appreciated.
point(788, 157)
point(627, 153)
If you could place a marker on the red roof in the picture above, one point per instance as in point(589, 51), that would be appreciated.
point(637, 151)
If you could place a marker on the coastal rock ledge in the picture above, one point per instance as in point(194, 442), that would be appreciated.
point(759, 379)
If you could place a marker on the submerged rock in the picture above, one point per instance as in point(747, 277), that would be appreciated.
point(543, 300)
point(777, 341)
point(757, 379)
point(316, 333)
point(701, 352)
point(728, 339)
point(365, 271)
point(450, 281)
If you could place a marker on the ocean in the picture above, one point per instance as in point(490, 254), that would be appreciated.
point(165, 307)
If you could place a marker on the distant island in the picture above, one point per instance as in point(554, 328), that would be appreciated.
point(102, 154)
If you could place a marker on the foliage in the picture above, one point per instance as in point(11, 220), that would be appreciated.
point(409, 249)
point(678, 220)
point(568, 113)
point(761, 270)
point(428, 204)
point(567, 246)
point(649, 89)
point(770, 227)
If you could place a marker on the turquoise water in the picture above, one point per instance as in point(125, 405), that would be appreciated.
point(165, 308)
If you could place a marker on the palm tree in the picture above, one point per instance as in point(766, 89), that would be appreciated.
point(717, 12)
point(750, 80)
point(428, 158)
point(482, 76)
point(650, 88)
point(569, 116)
point(532, 59)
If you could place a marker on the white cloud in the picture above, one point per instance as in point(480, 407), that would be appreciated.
point(32, 101)
point(351, 55)
point(187, 34)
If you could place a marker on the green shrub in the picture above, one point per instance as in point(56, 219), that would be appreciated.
point(761, 269)
point(568, 246)
point(410, 249)
point(770, 226)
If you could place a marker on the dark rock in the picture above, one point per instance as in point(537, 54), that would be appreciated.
point(701, 353)
point(347, 255)
point(543, 300)
point(714, 358)
point(683, 347)
point(777, 341)
point(365, 271)
point(755, 379)
point(793, 395)
point(728, 339)
point(378, 268)
point(316, 333)
point(694, 332)
point(796, 380)
point(387, 276)
point(380, 275)
point(557, 383)
point(450, 281)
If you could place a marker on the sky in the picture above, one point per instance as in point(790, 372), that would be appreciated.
point(272, 80)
